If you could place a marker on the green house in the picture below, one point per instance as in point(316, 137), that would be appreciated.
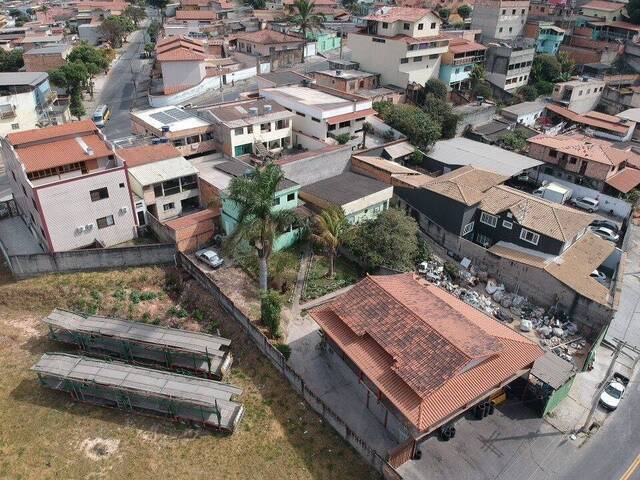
point(325, 40)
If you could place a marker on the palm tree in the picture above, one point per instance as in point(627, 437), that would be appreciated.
point(258, 223)
point(329, 229)
point(366, 128)
point(305, 17)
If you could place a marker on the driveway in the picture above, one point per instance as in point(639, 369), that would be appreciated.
point(16, 237)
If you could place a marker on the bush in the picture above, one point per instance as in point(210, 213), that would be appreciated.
point(284, 349)
point(424, 252)
point(543, 87)
point(270, 309)
point(527, 93)
point(343, 138)
point(515, 141)
point(452, 270)
point(483, 90)
point(437, 88)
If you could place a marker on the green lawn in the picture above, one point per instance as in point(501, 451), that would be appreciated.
point(319, 284)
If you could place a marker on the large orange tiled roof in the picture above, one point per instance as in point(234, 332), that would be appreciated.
point(427, 351)
point(135, 156)
point(39, 134)
point(266, 37)
point(180, 54)
point(196, 15)
point(394, 14)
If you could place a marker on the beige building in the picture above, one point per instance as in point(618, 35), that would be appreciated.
point(579, 96)
point(403, 45)
point(500, 19)
point(601, 9)
point(69, 187)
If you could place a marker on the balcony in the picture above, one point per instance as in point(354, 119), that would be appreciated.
point(7, 111)
point(467, 60)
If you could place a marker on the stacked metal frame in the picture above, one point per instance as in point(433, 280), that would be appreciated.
point(127, 387)
point(182, 351)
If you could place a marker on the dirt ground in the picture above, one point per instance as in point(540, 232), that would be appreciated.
point(45, 435)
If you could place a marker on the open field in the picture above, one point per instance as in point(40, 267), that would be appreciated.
point(46, 435)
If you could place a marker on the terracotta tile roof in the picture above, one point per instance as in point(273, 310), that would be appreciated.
point(542, 216)
point(428, 352)
point(350, 116)
point(135, 156)
point(191, 220)
point(177, 42)
point(176, 88)
point(316, 2)
point(585, 147)
point(625, 180)
point(604, 6)
point(578, 261)
point(267, 37)
point(59, 145)
point(196, 15)
point(395, 14)
point(625, 26)
point(467, 185)
point(591, 119)
point(199, 3)
point(462, 45)
point(180, 54)
point(412, 40)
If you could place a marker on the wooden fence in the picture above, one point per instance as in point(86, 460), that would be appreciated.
point(279, 362)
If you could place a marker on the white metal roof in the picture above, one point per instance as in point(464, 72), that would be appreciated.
point(156, 172)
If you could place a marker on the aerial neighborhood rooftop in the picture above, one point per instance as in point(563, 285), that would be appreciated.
point(320, 239)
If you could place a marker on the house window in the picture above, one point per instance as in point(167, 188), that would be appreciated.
point(105, 222)
point(168, 206)
point(406, 26)
point(276, 201)
point(507, 224)
point(483, 239)
point(331, 127)
point(379, 40)
point(404, 60)
point(510, 29)
point(344, 124)
point(513, 12)
point(193, 139)
point(468, 228)
point(282, 124)
point(315, 119)
point(504, 11)
point(573, 160)
point(385, 25)
point(291, 197)
point(99, 194)
point(553, 153)
point(500, 30)
point(417, 59)
point(265, 127)
point(301, 114)
point(15, 126)
point(488, 219)
point(529, 236)
point(420, 26)
point(433, 25)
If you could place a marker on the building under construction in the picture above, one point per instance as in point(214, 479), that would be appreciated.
point(170, 395)
point(140, 343)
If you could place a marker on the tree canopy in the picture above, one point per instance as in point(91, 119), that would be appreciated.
point(528, 93)
point(115, 29)
point(306, 18)
point(419, 127)
point(515, 141)
point(633, 11)
point(441, 111)
point(74, 78)
point(390, 240)
point(464, 11)
point(11, 61)
point(135, 13)
point(436, 87)
point(545, 68)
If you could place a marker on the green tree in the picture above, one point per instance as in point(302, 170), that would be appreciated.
point(444, 13)
point(464, 11)
point(149, 48)
point(441, 111)
point(419, 127)
point(135, 13)
point(11, 61)
point(159, 5)
point(633, 11)
point(14, 13)
point(306, 18)
point(567, 65)
point(329, 231)
point(76, 108)
point(483, 90)
point(527, 93)
point(545, 68)
point(94, 59)
point(477, 75)
point(153, 30)
point(544, 88)
point(343, 138)
point(74, 78)
point(258, 223)
point(437, 88)
point(515, 141)
point(270, 310)
point(21, 20)
point(366, 129)
point(116, 29)
point(417, 157)
point(390, 240)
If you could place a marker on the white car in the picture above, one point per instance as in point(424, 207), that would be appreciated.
point(586, 203)
point(606, 233)
point(612, 394)
point(210, 257)
point(599, 276)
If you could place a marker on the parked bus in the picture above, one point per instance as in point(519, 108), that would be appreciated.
point(101, 115)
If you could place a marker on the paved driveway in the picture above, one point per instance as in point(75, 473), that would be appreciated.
point(16, 237)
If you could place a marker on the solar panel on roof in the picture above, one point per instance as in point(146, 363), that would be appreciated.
point(162, 118)
point(178, 114)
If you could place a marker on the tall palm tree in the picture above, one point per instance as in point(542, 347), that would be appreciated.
point(366, 128)
point(305, 17)
point(258, 223)
point(329, 229)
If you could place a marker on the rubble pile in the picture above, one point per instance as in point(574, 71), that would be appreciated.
point(555, 329)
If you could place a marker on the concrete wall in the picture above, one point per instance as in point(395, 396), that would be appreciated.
point(502, 20)
point(24, 266)
point(209, 83)
point(176, 74)
point(43, 62)
point(25, 108)
point(320, 167)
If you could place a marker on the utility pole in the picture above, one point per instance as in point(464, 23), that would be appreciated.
point(621, 344)
point(341, 39)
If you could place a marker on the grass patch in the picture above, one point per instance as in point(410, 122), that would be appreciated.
point(319, 284)
point(46, 435)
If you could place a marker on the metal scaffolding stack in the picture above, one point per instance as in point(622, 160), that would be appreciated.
point(178, 397)
point(139, 343)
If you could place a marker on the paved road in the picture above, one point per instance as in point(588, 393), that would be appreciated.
point(119, 91)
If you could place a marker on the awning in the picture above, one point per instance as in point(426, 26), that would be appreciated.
point(350, 116)
point(625, 180)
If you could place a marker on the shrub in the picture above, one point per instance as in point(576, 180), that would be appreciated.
point(284, 349)
point(343, 138)
point(452, 270)
point(270, 309)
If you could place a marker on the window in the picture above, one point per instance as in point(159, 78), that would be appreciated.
point(553, 153)
point(488, 219)
point(315, 119)
point(332, 127)
point(99, 194)
point(265, 127)
point(483, 239)
point(522, 11)
point(171, 187)
point(168, 206)
point(500, 30)
point(15, 126)
point(420, 26)
point(121, 185)
point(573, 160)
point(378, 40)
point(510, 29)
point(404, 60)
point(193, 139)
point(282, 124)
point(344, 124)
point(291, 197)
point(105, 222)
point(529, 236)
point(504, 12)
point(513, 12)
point(417, 59)
point(179, 142)
point(276, 201)
point(189, 182)
point(507, 224)
point(468, 228)
point(301, 114)
point(385, 25)
point(406, 26)
point(433, 25)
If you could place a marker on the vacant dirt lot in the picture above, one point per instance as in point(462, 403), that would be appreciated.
point(44, 434)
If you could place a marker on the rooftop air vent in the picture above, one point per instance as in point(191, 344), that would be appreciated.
point(267, 109)
point(253, 111)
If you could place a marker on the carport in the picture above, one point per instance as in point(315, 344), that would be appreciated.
point(550, 381)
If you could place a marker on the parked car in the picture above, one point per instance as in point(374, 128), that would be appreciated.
point(611, 225)
point(612, 394)
point(210, 257)
point(586, 203)
point(599, 276)
point(606, 233)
